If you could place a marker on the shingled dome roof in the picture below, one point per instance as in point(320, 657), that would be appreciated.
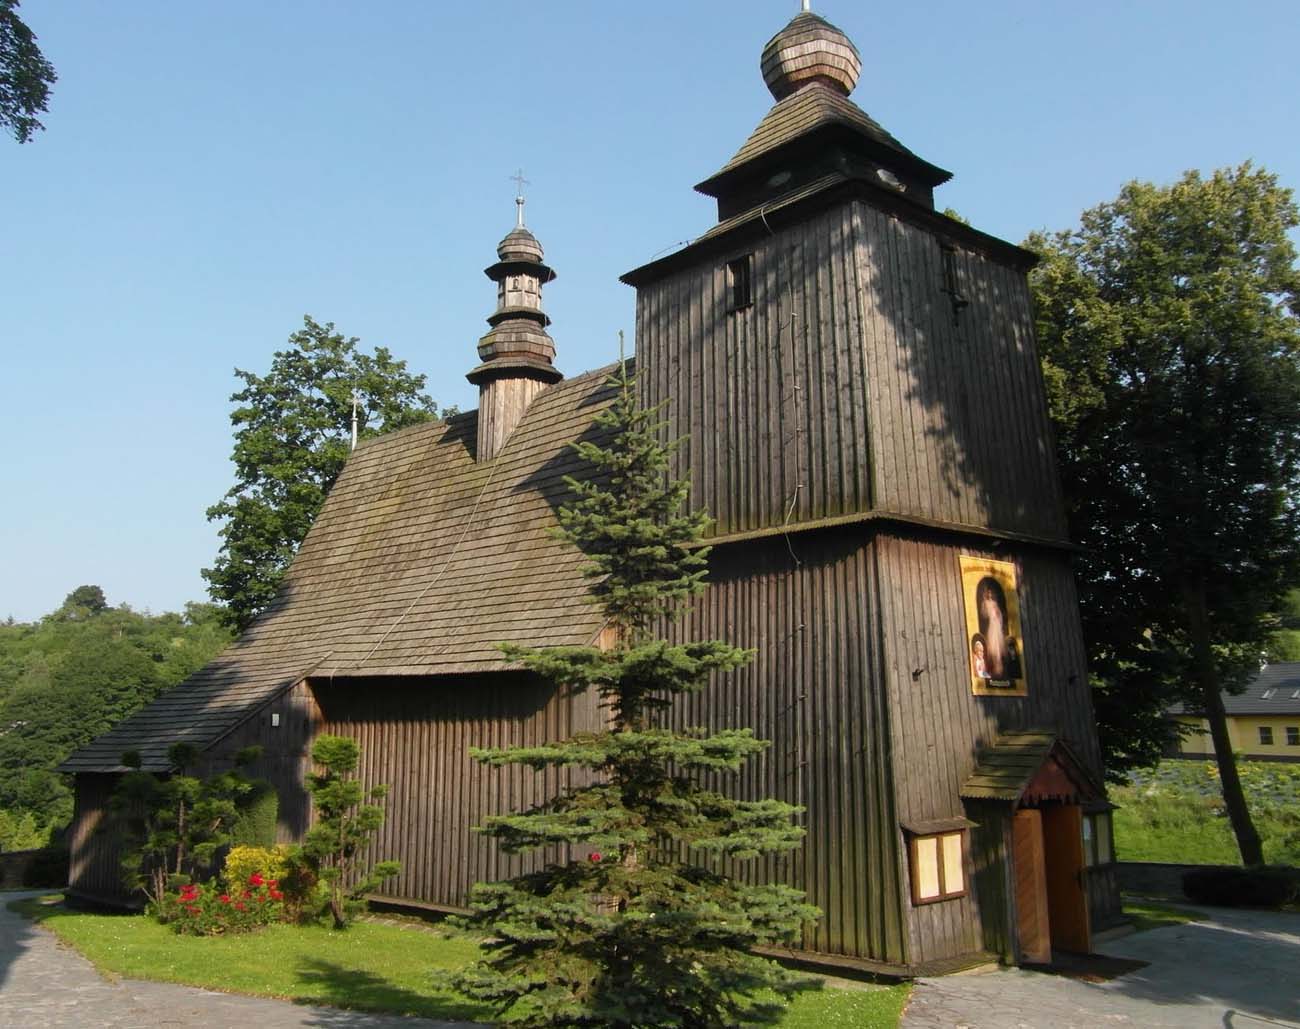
point(810, 49)
point(519, 245)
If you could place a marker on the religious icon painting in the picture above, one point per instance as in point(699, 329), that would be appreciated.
point(995, 647)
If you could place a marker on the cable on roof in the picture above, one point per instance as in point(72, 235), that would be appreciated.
point(469, 524)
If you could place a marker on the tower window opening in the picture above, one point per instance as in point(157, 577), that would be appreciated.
point(740, 275)
point(951, 282)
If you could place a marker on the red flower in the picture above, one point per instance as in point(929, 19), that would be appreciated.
point(277, 895)
point(256, 879)
point(594, 857)
point(247, 894)
point(224, 898)
point(273, 883)
point(241, 906)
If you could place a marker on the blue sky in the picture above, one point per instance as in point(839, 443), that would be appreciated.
point(211, 172)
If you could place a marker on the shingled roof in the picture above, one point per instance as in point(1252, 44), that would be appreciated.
point(1017, 760)
point(812, 108)
point(1275, 690)
point(420, 562)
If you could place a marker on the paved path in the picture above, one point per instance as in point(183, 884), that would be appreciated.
point(45, 984)
point(1235, 970)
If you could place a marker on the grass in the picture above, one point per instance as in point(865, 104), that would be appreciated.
point(1146, 914)
point(373, 966)
point(1174, 813)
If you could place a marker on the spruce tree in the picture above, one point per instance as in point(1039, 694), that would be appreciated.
point(640, 927)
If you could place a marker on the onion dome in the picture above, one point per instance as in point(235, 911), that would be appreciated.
point(810, 49)
point(520, 245)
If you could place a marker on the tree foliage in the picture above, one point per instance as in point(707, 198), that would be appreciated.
point(171, 826)
point(1171, 350)
point(293, 431)
point(347, 818)
point(640, 927)
point(74, 675)
point(25, 75)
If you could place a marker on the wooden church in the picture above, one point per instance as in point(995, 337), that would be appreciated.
point(856, 379)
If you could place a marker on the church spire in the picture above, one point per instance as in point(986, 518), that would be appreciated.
point(517, 354)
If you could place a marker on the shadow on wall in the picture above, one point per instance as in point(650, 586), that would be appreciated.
point(966, 427)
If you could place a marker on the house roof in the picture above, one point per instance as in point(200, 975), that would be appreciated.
point(1275, 690)
point(421, 561)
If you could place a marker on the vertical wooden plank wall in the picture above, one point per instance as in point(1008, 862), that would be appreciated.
point(851, 382)
point(94, 865)
point(937, 726)
point(286, 754)
point(415, 736)
point(813, 690)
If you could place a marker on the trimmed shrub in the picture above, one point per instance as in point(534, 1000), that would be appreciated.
point(259, 812)
point(1264, 886)
point(244, 862)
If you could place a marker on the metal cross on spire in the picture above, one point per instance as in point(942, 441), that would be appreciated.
point(807, 5)
point(520, 182)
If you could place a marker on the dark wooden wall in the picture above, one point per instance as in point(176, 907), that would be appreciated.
point(852, 383)
point(937, 727)
point(415, 735)
point(285, 758)
point(814, 691)
point(94, 859)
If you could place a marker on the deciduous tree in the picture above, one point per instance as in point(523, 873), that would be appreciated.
point(292, 436)
point(25, 75)
point(1171, 349)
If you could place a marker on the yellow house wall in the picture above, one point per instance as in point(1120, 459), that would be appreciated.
point(1243, 731)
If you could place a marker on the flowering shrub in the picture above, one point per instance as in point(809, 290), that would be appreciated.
point(209, 910)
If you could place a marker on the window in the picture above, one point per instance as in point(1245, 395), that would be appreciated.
point(1266, 735)
point(1097, 841)
point(938, 867)
point(951, 281)
point(1269, 694)
point(1293, 735)
point(740, 273)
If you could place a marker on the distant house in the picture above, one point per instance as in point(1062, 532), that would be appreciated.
point(1263, 722)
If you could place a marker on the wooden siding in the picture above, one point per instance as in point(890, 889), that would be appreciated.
point(1104, 907)
point(937, 727)
point(994, 891)
point(415, 735)
point(502, 404)
point(852, 384)
point(94, 859)
point(814, 691)
point(285, 758)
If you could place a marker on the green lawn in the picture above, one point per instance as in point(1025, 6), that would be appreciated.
point(1175, 813)
point(1145, 914)
point(372, 966)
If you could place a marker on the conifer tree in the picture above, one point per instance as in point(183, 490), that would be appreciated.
point(640, 927)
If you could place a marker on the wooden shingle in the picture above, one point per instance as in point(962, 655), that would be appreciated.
point(421, 562)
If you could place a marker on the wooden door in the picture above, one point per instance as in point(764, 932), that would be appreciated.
point(1067, 897)
point(1032, 923)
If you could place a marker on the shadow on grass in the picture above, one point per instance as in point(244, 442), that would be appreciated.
point(364, 991)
